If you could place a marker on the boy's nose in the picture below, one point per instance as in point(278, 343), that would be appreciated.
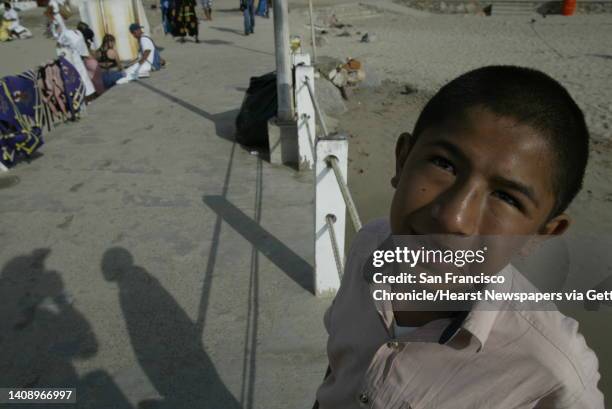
point(458, 210)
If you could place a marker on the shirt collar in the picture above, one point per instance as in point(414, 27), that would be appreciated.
point(478, 322)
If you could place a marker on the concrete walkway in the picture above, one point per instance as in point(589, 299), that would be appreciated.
point(150, 261)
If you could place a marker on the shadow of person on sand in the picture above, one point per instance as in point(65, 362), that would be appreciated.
point(41, 332)
point(165, 340)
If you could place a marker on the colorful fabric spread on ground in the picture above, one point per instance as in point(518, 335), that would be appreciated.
point(183, 18)
point(35, 99)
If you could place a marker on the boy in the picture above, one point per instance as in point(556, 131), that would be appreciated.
point(148, 59)
point(500, 150)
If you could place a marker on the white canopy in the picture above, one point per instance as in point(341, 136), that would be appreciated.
point(114, 17)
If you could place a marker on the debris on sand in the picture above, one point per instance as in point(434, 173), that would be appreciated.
point(407, 90)
point(368, 38)
point(321, 41)
point(343, 75)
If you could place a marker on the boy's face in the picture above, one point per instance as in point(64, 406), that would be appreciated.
point(488, 175)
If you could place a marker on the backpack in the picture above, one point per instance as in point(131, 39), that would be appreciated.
point(156, 64)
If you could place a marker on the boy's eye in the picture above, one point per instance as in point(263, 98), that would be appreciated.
point(443, 163)
point(507, 198)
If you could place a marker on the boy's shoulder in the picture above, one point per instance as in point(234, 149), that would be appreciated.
point(378, 229)
point(557, 335)
point(562, 343)
point(368, 238)
point(550, 343)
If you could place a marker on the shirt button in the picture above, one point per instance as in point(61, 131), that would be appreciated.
point(393, 344)
point(363, 398)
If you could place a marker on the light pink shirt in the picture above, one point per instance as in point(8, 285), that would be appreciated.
point(490, 359)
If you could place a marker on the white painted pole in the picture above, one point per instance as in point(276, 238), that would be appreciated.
point(329, 201)
point(312, 33)
point(283, 62)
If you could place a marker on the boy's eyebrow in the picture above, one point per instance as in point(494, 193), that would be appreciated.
point(450, 147)
point(519, 187)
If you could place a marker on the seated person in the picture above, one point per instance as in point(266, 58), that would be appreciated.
point(148, 59)
point(16, 30)
point(109, 61)
point(498, 151)
point(107, 55)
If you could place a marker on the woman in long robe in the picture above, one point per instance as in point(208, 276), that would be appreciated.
point(184, 20)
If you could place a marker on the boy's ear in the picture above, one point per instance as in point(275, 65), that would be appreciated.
point(554, 227)
point(404, 144)
point(557, 225)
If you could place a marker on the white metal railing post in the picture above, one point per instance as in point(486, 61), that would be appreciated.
point(306, 124)
point(329, 202)
point(301, 59)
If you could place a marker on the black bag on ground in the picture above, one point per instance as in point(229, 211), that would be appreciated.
point(259, 105)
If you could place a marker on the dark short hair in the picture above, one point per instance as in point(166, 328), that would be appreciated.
point(534, 99)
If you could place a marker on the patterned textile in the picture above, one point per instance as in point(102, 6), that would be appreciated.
point(51, 88)
point(74, 90)
point(183, 18)
point(20, 117)
point(33, 99)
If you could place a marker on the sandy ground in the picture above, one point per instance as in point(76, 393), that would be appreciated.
point(415, 53)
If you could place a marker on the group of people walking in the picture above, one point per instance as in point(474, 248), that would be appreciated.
point(180, 19)
point(250, 11)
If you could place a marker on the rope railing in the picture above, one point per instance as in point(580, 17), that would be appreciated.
point(332, 162)
point(330, 219)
